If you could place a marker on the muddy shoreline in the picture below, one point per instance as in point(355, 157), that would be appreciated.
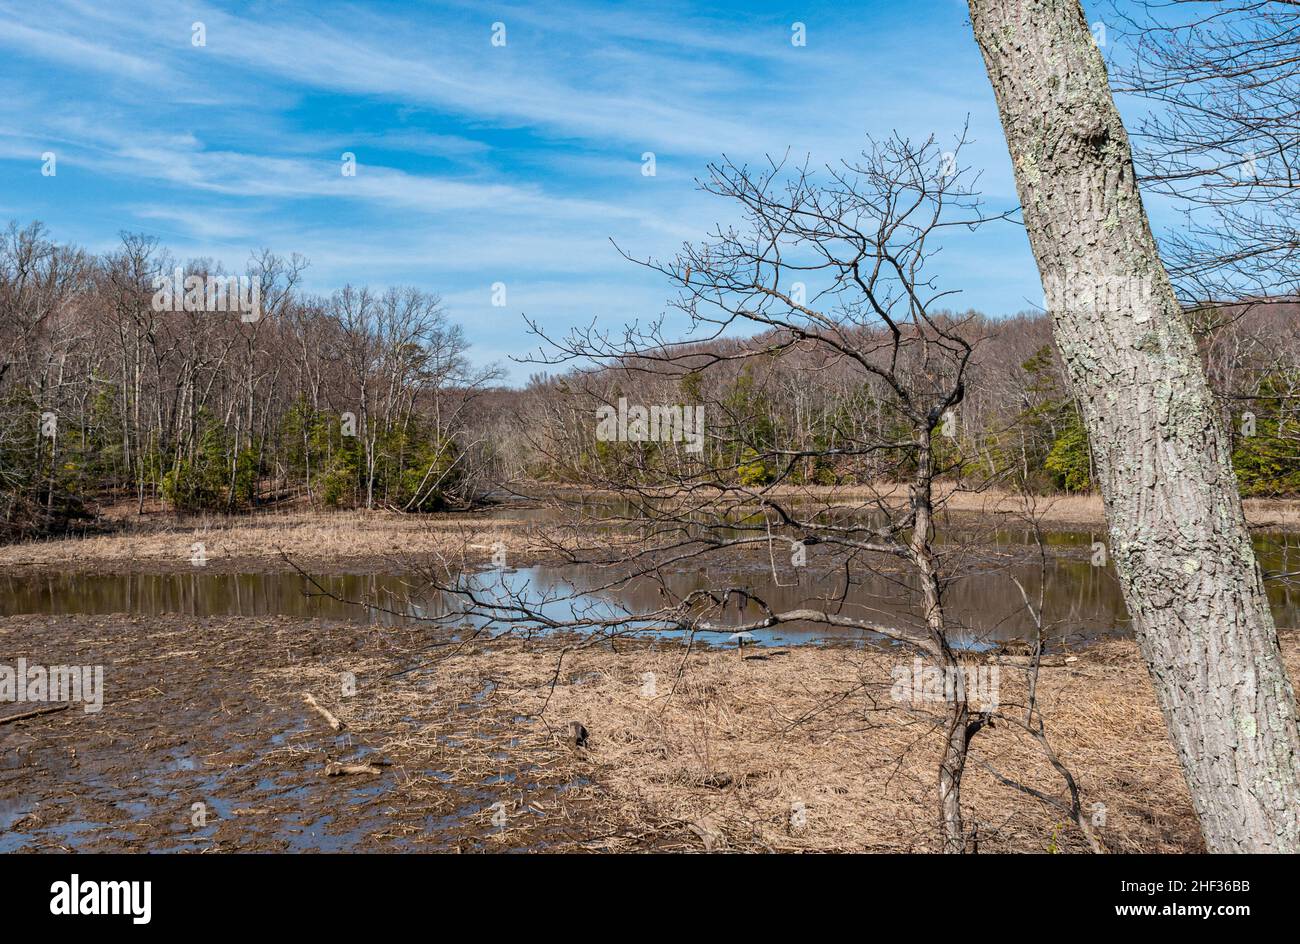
point(465, 747)
point(206, 741)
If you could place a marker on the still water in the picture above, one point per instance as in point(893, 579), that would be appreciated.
point(1081, 600)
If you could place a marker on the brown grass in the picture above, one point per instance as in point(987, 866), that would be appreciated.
point(320, 537)
point(307, 536)
point(719, 757)
point(1053, 511)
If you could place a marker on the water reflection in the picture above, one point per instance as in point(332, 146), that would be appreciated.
point(1080, 599)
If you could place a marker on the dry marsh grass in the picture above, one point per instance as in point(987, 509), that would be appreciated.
point(1052, 511)
point(310, 536)
point(799, 749)
point(321, 537)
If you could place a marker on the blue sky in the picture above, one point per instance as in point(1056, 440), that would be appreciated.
point(476, 163)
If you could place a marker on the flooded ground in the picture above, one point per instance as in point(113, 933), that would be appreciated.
point(205, 741)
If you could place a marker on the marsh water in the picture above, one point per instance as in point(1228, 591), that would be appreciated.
point(1081, 600)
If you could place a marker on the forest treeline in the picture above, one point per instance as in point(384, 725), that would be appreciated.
point(108, 395)
point(802, 416)
point(367, 398)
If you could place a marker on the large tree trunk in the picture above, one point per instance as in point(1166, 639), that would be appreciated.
point(1178, 535)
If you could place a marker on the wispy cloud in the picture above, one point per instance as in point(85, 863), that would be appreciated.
point(72, 52)
point(476, 162)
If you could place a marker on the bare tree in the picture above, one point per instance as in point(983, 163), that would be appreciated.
point(830, 272)
point(1220, 141)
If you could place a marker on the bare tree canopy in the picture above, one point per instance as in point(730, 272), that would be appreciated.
point(1220, 140)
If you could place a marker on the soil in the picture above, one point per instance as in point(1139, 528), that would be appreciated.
point(212, 712)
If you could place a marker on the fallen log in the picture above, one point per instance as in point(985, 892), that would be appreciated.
point(324, 712)
point(1046, 661)
point(343, 770)
point(47, 710)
